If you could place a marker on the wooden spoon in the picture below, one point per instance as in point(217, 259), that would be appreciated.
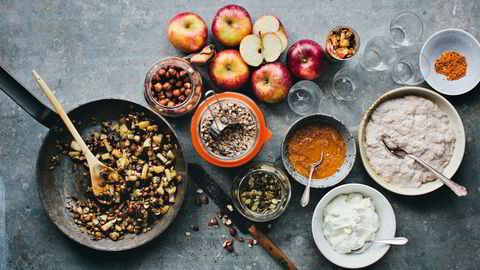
point(99, 186)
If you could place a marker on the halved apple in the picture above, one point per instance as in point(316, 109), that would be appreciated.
point(255, 49)
point(271, 24)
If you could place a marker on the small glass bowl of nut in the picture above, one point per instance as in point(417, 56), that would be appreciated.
point(262, 192)
point(173, 87)
point(342, 43)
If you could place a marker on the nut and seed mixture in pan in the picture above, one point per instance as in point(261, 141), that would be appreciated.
point(261, 192)
point(144, 158)
point(236, 139)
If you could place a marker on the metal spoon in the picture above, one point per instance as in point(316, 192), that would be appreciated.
point(400, 153)
point(99, 186)
point(396, 241)
point(306, 193)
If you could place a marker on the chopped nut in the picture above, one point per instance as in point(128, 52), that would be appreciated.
point(232, 231)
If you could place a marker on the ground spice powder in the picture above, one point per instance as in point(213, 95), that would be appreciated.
point(451, 64)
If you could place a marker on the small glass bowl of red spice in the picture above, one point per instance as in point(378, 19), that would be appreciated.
point(342, 43)
point(173, 87)
point(262, 192)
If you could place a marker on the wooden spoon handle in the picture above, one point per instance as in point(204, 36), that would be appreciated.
point(271, 248)
point(63, 115)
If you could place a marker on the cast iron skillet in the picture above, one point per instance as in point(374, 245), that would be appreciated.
point(56, 183)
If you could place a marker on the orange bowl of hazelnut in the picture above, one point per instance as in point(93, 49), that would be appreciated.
point(173, 87)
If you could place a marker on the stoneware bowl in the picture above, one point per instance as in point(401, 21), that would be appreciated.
point(451, 40)
point(454, 120)
point(350, 155)
point(372, 253)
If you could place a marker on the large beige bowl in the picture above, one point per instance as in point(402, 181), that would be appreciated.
point(454, 120)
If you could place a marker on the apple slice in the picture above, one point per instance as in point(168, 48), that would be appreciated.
point(283, 37)
point(272, 47)
point(266, 24)
point(251, 50)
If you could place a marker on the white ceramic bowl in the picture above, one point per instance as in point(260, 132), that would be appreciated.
point(451, 40)
point(453, 118)
point(386, 229)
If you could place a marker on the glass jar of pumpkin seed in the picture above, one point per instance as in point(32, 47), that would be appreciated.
point(261, 192)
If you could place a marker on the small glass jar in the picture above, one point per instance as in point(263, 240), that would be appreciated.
point(285, 190)
point(191, 102)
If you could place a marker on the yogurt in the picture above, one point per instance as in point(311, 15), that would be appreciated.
point(348, 221)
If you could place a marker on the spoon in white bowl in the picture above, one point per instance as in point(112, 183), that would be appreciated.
point(396, 241)
point(306, 193)
point(400, 153)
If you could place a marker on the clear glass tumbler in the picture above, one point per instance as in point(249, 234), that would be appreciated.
point(379, 54)
point(406, 29)
point(304, 97)
point(406, 69)
point(350, 83)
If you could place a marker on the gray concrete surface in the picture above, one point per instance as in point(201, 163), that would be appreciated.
point(88, 50)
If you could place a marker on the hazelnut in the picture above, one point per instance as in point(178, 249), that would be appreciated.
point(212, 222)
point(187, 85)
point(167, 86)
point(232, 231)
point(161, 73)
point(176, 92)
point(182, 73)
point(172, 72)
point(157, 87)
point(163, 102)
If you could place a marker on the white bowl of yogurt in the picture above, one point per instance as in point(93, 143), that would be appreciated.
point(345, 218)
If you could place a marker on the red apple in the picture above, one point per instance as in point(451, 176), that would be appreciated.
point(231, 24)
point(187, 32)
point(228, 70)
point(306, 59)
point(271, 82)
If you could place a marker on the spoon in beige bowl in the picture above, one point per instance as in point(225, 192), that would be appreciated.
point(306, 193)
point(98, 171)
point(400, 153)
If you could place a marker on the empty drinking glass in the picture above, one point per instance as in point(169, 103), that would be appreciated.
point(406, 29)
point(350, 83)
point(379, 54)
point(406, 69)
point(304, 97)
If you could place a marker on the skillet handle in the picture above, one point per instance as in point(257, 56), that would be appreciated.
point(28, 102)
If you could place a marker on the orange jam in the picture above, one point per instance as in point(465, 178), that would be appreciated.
point(307, 144)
